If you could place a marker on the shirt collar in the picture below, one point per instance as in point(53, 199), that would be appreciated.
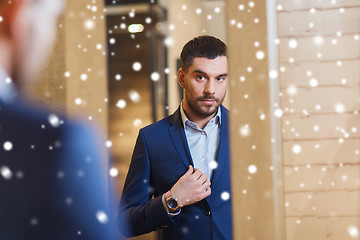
point(185, 119)
point(8, 91)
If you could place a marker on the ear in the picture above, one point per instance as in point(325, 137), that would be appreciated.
point(181, 78)
point(11, 13)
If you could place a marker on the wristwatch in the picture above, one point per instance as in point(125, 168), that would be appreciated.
point(171, 202)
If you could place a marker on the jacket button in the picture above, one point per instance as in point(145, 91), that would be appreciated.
point(207, 212)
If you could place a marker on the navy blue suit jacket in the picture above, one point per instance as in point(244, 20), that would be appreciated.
point(161, 156)
point(51, 182)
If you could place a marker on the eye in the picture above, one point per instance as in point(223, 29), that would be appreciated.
point(220, 79)
point(200, 77)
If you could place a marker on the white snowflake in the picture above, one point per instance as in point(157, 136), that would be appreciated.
point(252, 169)
point(6, 172)
point(225, 196)
point(8, 145)
point(102, 217)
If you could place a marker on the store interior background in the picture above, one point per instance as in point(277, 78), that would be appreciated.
point(294, 95)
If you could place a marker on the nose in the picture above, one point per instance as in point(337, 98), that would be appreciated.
point(209, 87)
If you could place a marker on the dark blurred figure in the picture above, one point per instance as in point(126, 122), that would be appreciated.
point(52, 183)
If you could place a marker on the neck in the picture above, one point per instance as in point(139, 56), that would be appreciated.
point(5, 57)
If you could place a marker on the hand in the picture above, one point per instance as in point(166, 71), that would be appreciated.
point(191, 188)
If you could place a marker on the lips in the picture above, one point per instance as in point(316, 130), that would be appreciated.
point(208, 101)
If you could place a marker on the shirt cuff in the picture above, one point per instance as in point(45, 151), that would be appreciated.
point(167, 210)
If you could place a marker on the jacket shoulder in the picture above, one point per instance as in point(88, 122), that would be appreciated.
point(160, 125)
point(37, 122)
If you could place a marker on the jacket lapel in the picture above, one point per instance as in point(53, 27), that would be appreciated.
point(177, 134)
point(222, 172)
point(178, 138)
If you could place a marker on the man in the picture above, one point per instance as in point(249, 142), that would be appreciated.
point(179, 176)
point(51, 179)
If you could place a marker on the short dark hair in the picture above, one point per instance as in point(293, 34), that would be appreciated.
point(202, 46)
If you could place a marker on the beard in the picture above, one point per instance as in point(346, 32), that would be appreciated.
point(199, 108)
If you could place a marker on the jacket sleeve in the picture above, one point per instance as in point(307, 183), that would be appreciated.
point(139, 212)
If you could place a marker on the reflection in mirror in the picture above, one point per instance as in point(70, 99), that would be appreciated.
point(144, 41)
point(315, 57)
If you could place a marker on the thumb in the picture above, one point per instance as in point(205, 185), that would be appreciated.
point(189, 171)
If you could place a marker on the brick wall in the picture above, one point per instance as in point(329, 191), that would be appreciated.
point(319, 58)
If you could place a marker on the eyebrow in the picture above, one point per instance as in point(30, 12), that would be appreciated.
point(202, 72)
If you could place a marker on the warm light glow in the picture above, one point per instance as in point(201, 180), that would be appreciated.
point(135, 28)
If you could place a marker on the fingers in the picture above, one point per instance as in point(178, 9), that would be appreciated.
point(196, 174)
point(189, 171)
point(206, 185)
point(202, 178)
point(205, 188)
point(206, 193)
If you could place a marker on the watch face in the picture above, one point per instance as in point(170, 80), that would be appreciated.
point(172, 203)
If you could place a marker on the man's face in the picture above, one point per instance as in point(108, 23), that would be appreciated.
point(34, 45)
point(204, 85)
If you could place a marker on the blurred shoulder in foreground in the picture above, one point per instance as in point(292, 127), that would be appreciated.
point(52, 180)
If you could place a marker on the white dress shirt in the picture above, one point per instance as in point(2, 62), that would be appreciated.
point(203, 143)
